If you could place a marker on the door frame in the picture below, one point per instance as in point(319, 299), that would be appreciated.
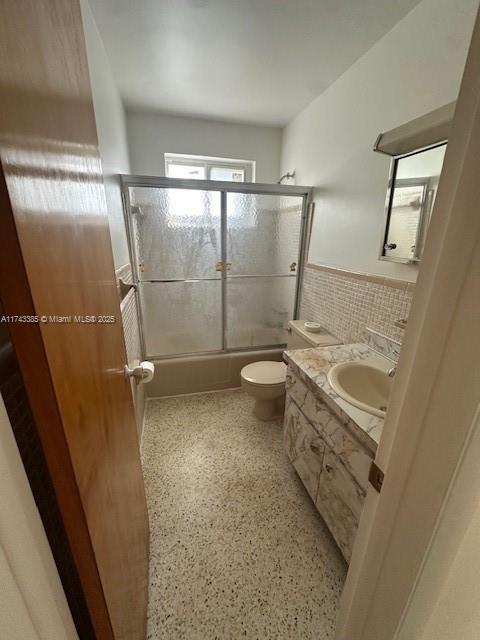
point(433, 408)
point(37, 605)
point(306, 193)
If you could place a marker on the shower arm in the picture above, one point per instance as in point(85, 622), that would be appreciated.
point(287, 175)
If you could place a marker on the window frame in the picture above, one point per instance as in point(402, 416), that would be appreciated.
point(211, 162)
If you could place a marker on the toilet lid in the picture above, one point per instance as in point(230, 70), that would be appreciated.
point(265, 372)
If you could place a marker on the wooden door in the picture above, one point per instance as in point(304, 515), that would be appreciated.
point(56, 263)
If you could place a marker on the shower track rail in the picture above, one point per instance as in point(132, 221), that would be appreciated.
point(306, 193)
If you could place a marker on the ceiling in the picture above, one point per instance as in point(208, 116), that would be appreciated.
point(256, 61)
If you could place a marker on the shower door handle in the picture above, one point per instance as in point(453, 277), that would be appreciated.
point(219, 265)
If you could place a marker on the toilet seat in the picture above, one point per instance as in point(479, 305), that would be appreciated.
point(265, 373)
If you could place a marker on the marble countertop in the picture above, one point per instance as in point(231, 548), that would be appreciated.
point(313, 365)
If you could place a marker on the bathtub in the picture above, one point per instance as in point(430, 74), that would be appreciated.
point(195, 374)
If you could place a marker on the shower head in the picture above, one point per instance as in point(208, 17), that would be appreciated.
point(287, 175)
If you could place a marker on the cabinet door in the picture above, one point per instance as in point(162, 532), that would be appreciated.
point(340, 501)
point(304, 447)
point(354, 455)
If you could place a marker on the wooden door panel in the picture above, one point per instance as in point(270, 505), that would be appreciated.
point(49, 155)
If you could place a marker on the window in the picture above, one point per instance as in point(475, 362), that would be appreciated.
point(207, 168)
point(227, 174)
point(175, 170)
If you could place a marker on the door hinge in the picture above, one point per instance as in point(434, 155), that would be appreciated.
point(376, 476)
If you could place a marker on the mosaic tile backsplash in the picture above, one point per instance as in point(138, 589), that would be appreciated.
point(346, 303)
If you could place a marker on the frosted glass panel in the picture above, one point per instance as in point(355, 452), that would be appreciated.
point(407, 205)
point(177, 236)
point(263, 233)
point(258, 310)
point(186, 171)
point(176, 232)
point(227, 174)
point(181, 317)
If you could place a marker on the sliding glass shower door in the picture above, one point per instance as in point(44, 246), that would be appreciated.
point(216, 264)
point(177, 244)
point(263, 241)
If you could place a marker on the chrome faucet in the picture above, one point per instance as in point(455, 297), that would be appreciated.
point(392, 372)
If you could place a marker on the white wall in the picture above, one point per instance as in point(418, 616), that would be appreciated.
point(457, 611)
point(413, 69)
point(151, 135)
point(111, 131)
point(445, 602)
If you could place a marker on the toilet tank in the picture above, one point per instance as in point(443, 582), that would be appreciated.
point(299, 338)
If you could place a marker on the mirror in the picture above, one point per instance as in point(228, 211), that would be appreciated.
point(411, 193)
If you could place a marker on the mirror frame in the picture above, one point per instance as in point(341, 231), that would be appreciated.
point(421, 229)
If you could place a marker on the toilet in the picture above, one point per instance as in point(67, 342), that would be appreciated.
point(265, 380)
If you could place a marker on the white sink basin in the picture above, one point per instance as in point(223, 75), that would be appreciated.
point(362, 385)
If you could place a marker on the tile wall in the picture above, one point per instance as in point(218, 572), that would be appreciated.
point(131, 332)
point(346, 302)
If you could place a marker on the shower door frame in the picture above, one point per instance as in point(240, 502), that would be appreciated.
point(223, 188)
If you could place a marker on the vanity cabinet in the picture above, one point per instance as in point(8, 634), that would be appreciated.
point(332, 464)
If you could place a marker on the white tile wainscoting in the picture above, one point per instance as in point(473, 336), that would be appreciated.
point(347, 302)
point(131, 334)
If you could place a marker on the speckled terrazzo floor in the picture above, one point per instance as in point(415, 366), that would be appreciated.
point(237, 548)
